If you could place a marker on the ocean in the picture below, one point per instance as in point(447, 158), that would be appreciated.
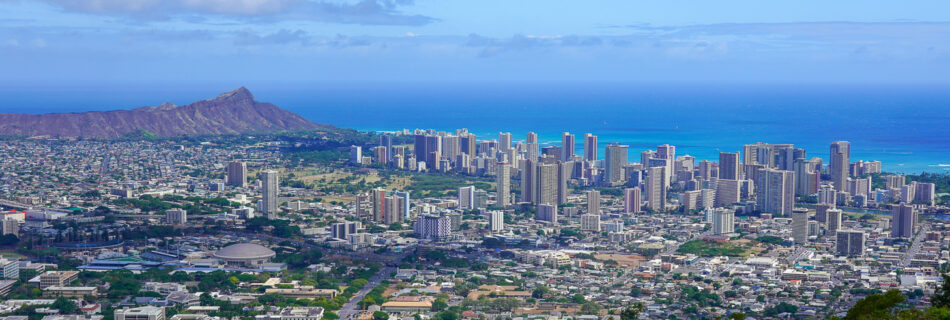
point(905, 127)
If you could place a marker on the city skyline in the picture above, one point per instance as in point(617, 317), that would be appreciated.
point(474, 160)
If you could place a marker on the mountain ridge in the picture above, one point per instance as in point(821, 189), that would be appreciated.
point(232, 112)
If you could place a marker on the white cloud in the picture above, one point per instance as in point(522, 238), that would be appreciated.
point(39, 43)
point(380, 12)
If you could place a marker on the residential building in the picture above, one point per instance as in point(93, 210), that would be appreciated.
point(269, 192)
point(237, 174)
point(903, 221)
point(849, 243)
point(140, 313)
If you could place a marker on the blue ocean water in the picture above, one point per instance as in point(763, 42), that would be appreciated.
point(905, 127)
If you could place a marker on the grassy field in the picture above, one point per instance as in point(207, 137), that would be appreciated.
point(320, 177)
point(704, 248)
point(11, 254)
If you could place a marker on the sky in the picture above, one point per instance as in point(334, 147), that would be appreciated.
point(45, 43)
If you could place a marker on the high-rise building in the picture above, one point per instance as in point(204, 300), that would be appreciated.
point(850, 243)
point(531, 137)
point(466, 198)
point(567, 146)
point(750, 154)
point(176, 216)
point(728, 192)
point(393, 210)
point(504, 142)
point(547, 175)
point(590, 147)
point(593, 202)
point(9, 268)
point(342, 229)
point(705, 170)
point(455, 221)
point(547, 213)
point(832, 220)
point(827, 195)
point(451, 147)
point(467, 144)
point(269, 190)
point(379, 205)
point(528, 180)
point(775, 191)
point(893, 181)
point(419, 145)
point(503, 184)
point(386, 141)
point(783, 156)
point(433, 146)
point(356, 155)
point(859, 186)
point(723, 220)
point(807, 176)
point(496, 221)
point(9, 226)
point(433, 227)
point(729, 165)
point(821, 213)
point(840, 164)
point(615, 158)
point(667, 153)
point(924, 193)
point(632, 200)
point(539, 183)
point(656, 188)
point(758, 153)
point(903, 221)
point(590, 222)
point(404, 211)
point(237, 174)
point(800, 225)
point(381, 154)
point(532, 148)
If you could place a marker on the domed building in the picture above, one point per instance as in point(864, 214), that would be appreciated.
point(245, 255)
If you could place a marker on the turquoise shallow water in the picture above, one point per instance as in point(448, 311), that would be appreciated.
point(906, 127)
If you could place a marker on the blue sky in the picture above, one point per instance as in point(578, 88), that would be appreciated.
point(243, 42)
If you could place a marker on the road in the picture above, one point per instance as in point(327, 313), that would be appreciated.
point(915, 247)
point(349, 310)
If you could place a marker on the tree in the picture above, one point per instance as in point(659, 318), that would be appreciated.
point(780, 308)
point(540, 292)
point(206, 299)
point(578, 299)
point(636, 292)
point(8, 239)
point(446, 315)
point(590, 307)
point(439, 305)
point(941, 296)
point(631, 312)
point(65, 306)
point(876, 306)
point(379, 315)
